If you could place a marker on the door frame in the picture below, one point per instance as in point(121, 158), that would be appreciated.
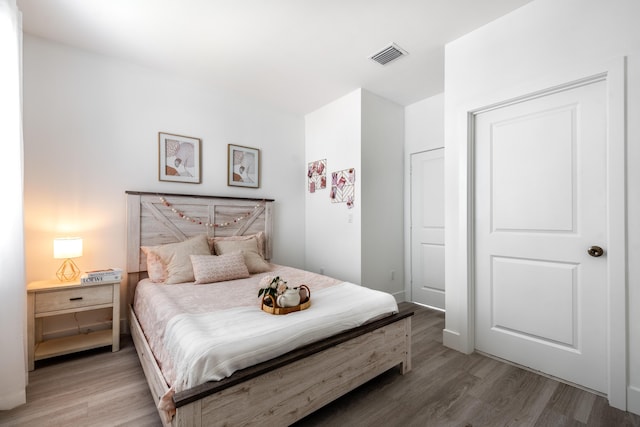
point(459, 331)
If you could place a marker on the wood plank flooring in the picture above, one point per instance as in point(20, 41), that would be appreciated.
point(445, 388)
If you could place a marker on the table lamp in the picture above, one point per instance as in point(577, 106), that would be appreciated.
point(67, 248)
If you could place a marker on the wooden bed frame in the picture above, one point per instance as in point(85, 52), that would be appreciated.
point(282, 390)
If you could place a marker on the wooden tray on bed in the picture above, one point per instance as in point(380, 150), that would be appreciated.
point(274, 308)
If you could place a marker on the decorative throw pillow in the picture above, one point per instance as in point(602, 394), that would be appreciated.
point(155, 267)
point(212, 268)
point(176, 258)
point(249, 248)
point(259, 236)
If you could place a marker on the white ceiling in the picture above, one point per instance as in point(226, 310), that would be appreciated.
point(297, 55)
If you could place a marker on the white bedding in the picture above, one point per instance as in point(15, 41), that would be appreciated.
point(211, 346)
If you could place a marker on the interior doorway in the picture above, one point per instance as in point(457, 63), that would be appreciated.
point(427, 228)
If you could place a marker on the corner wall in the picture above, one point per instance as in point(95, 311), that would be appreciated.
point(633, 230)
point(13, 298)
point(364, 244)
point(382, 201)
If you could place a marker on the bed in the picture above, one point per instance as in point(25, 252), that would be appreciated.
point(277, 391)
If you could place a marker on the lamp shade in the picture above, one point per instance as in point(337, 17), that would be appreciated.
point(67, 247)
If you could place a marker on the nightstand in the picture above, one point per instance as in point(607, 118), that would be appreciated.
point(51, 297)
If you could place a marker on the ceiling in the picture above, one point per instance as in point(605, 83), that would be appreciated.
point(295, 55)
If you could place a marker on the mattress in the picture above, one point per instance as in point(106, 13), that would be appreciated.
point(205, 332)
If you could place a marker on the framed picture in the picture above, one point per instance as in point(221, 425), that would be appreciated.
point(343, 187)
point(243, 166)
point(179, 158)
point(317, 175)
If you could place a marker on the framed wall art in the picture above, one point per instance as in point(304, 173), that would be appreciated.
point(317, 175)
point(343, 187)
point(243, 166)
point(179, 158)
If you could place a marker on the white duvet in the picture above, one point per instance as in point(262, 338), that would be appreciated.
point(212, 346)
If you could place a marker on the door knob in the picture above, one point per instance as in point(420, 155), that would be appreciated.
point(595, 251)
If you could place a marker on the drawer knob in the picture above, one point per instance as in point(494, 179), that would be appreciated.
point(75, 299)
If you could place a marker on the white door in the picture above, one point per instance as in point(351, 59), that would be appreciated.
point(541, 299)
point(427, 228)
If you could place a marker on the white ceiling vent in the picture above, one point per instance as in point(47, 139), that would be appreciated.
point(388, 54)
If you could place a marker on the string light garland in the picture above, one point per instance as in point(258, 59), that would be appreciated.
point(207, 224)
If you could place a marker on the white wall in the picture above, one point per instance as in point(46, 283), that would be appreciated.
point(544, 43)
point(13, 365)
point(332, 231)
point(424, 125)
point(382, 198)
point(424, 130)
point(364, 244)
point(633, 229)
point(91, 128)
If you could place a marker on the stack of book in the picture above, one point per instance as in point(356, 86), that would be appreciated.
point(98, 276)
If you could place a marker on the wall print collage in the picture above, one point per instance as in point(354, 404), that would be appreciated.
point(180, 160)
point(342, 182)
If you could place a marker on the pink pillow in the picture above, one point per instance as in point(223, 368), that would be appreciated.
point(156, 269)
point(212, 268)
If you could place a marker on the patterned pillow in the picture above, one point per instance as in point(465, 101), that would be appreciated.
point(211, 268)
point(249, 248)
point(175, 257)
point(155, 267)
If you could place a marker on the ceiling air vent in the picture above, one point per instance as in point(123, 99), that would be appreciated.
point(388, 54)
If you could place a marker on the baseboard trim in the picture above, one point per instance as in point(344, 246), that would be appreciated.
point(633, 399)
point(13, 399)
point(453, 340)
point(399, 296)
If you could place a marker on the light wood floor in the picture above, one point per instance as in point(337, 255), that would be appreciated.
point(445, 388)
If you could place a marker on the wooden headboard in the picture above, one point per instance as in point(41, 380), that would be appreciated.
point(160, 218)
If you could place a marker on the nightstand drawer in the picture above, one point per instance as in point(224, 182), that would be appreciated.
point(73, 298)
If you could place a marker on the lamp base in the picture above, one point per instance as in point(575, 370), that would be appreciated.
point(68, 271)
